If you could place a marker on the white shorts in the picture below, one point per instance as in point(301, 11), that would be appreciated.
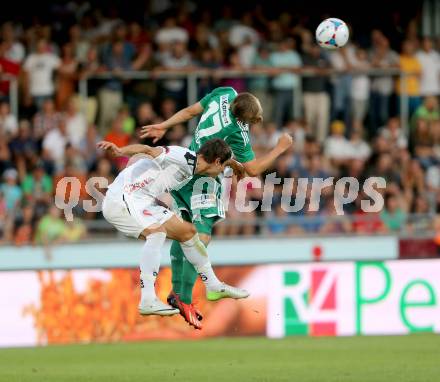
point(132, 216)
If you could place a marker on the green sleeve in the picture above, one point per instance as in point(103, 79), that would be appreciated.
point(241, 146)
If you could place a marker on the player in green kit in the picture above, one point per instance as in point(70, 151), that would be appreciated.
point(226, 115)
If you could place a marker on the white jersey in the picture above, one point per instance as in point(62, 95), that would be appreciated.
point(152, 177)
point(130, 204)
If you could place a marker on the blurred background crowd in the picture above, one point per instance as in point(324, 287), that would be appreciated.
point(347, 120)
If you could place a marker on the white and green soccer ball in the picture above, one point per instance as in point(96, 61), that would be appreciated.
point(332, 33)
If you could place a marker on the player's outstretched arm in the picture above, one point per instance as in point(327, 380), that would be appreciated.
point(130, 150)
point(257, 166)
point(158, 130)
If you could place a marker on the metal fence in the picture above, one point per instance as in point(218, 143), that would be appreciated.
point(192, 76)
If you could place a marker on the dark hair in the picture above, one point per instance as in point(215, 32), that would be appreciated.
point(246, 108)
point(215, 148)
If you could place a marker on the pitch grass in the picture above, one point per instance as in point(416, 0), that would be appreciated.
point(409, 358)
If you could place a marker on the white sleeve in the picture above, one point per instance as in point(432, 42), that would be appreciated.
point(182, 157)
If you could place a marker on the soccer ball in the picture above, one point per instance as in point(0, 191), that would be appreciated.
point(332, 33)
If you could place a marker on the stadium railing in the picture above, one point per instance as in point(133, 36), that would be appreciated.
point(194, 74)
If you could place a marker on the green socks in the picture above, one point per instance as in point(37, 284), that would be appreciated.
point(177, 258)
point(189, 277)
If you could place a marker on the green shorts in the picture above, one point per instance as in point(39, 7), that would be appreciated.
point(199, 201)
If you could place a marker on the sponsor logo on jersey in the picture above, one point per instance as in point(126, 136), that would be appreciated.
point(224, 107)
point(129, 188)
point(244, 127)
point(203, 201)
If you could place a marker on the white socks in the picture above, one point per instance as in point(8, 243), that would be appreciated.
point(150, 263)
point(195, 252)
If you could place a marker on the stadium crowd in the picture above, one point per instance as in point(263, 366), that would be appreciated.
point(350, 124)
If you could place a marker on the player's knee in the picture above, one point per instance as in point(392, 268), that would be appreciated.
point(189, 233)
point(205, 238)
point(152, 229)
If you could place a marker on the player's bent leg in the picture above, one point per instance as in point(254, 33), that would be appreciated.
point(195, 252)
point(149, 264)
point(189, 273)
point(182, 231)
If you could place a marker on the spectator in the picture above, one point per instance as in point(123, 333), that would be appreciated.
point(260, 85)
point(74, 159)
point(23, 147)
point(80, 45)
point(37, 186)
point(342, 61)
point(8, 121)
point(393, 133)
point(10, 190)
point(247, 52)
point(243, 33)
point(5, 154)
point(137, 36)
point(178, 58)
point(67, 76)
point(233, 63)
point(382, 57)
point(117, 135)
point(9, 69)
point(168, 108)
point(410, 65)
point(110, 95)
point(314, 169)
point(46, 119)
point(279, 223)
point(128, 122)
point(430, 69)
point(284, 84)
point(75, 231)
point(90, 68)
point(145, 114)
point(360, 89)
point(15, 50)
point(357, 147)
point(50, 230)
point(421, 222)
point(76, 124)
point(316, 99)
point(54, 144)
point(39, 68)
point(119, 138)
point(335, 224)
point(170, 33)
point(424, 123)
point(367, 223)
point(393, 215)
point(24, 226)
point(88, 145)
point(336, 146)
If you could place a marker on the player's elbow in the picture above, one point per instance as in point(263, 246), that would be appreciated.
point(252, 171)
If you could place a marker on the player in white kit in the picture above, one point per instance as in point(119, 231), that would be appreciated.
point(132, 207)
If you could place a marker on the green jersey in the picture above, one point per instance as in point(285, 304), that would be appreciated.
point(217, 121)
